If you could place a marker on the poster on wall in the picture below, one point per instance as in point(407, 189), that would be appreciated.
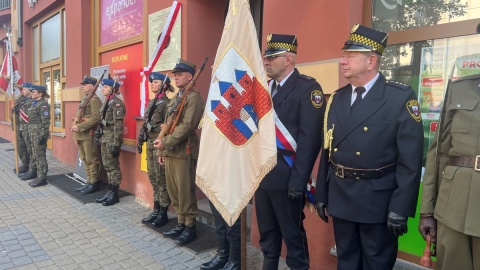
point(173, 49)
point(120, 20)
point(124, 65)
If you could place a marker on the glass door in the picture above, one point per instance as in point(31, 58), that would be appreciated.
point(50, 78)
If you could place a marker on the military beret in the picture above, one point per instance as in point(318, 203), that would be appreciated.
point(364, 39)
point(111, 83)
point(89, 80)
point(184, 66)
point(158, 76)
point(278, 44)
point(27, 85)
point(40, 89)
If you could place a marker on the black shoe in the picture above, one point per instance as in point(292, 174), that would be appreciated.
point(80, 188)
point(220, 259)
point(90, 188)
point(188, 235)
point(38, 182)
point(161, 219)
point(112, 197)
point(232, 265)
point(175, 231)
point(28, 176)
point(153, 215)
point(21, 169)
point(103, 198)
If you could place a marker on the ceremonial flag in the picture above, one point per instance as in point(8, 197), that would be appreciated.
point(164, 37)
point(237, 147)
point(9, 72)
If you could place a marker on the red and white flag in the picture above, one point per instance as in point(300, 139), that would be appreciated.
point(9, 76)
point(237, 147)
point(162, 42)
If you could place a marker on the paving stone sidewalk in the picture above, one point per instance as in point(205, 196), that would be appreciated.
point(44, 228)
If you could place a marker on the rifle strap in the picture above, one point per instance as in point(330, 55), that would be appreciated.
point(105, 108)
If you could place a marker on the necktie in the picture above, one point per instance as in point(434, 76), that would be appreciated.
point(360, 90)
point(275, 87)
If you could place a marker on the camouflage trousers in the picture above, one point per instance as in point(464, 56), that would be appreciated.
point(111, 164)
point(38, 161)
point(90, 155)
point(24, 149)
point(156, 175)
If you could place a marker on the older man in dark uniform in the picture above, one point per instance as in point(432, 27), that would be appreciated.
point(370, 168)
point(280, 198)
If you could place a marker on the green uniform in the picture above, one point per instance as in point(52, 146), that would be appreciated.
point(23, 141)
point(156, 172)
point(452, 190)
point(88, 151)
point(180, 167)
point(38, 128)
point(112, 137)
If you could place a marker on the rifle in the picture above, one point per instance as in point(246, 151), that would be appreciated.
point(83, 105)
point(99, 131)
point(177, 108)
point(146, 127)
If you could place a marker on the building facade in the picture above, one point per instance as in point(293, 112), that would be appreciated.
point(429, 42)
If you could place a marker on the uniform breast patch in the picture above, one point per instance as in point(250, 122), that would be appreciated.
point(117, 105)
point(317, 98)
point(414, 109)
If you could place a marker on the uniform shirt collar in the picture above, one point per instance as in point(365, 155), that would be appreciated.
point(367, 86)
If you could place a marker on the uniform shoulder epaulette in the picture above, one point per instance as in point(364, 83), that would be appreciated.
point(306, 77)
point(469, 77)
point(398, 85)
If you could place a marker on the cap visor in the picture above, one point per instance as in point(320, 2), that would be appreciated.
point(273, 53)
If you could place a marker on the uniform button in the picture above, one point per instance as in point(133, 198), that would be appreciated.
point(458, 105)
point(358, 178)
point(443, 172)
point(335, 150)
point(357, 153)
point(365, 128)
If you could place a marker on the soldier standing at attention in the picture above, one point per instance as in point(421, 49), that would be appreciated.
point(113, 113)
point(369, 172)
point(280, 197)
point(152, 126)
point(451, 184)
point(23, 141)
point(83, 132)
point(39, 130)
point(181, 154)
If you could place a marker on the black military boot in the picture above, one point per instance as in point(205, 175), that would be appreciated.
point(112, 197)
point(175, 231)
point(38, 182)
point(154, 214)
point(89, 188)
point(235, 257)
point(188, 235)
point(162, 218)
point(28, 175)
point(220, 258)
point(104, 197)
point(270, 264)
point(21, 169)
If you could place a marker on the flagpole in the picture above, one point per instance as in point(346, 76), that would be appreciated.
point(243, 260)
point(10, 67)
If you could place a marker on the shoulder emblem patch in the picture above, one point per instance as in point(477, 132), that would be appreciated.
point(45, 113)
point(119, 113)
point(414, 109)
point(117, 104)
point(317, 98)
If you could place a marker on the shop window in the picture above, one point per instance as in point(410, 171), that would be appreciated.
point(393, 15)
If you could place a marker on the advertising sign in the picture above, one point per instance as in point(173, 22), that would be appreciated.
point(125, 64)
point(120, 19)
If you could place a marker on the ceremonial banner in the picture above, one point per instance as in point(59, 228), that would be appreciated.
point(161, 44)
point(9, 72)
point(237, 147)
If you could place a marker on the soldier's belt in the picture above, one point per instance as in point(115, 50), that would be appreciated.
point(347, 172)
point(468, 162)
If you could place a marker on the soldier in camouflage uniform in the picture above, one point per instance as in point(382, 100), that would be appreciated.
point(83, 131)
point(156, 172)
point(113, 113)
point(39, 130)
point(21, 118)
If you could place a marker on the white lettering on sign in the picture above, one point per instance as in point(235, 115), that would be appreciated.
point(117, 5)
